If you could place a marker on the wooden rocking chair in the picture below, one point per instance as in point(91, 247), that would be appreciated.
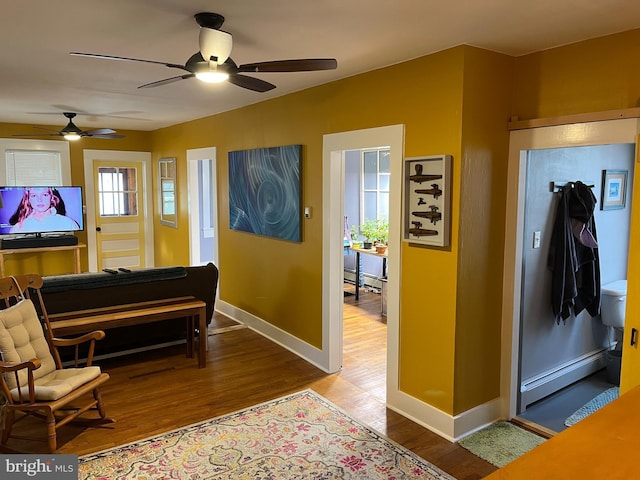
point(32, 379)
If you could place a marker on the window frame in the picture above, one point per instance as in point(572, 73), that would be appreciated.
point(363, 189)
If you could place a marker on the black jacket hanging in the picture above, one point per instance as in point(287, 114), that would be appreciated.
point(573, 254)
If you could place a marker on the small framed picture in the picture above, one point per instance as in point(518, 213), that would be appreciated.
point(614, 189)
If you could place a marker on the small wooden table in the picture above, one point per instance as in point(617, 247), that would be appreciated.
point(103, 318)
point(373, 252)
point(13, 251)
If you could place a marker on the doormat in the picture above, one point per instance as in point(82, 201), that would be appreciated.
point(501, 442)
point(593, 405)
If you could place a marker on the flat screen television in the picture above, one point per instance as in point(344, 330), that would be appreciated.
point(37, 210)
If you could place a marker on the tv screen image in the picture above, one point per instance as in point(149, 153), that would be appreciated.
point(40, 210)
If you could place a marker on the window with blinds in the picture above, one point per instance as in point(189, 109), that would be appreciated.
point(28, 167)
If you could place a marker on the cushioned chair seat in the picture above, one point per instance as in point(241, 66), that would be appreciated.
point(58, 383)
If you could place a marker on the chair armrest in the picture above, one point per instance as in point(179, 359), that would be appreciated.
point(32, 364)
point(90, 337)
point(87, 337)
point(6, 367)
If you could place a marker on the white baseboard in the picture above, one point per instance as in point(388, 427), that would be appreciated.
point(546, 383)
point(451, 427)
point(311, 354)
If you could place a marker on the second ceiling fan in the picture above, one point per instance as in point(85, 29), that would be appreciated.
point(213, 64)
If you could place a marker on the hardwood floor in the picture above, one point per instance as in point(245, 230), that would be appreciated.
point(156, 391)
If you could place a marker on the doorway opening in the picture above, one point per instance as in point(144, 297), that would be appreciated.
point(366, 199)
point(203, 206)
point(334, 146)
point(520, 240)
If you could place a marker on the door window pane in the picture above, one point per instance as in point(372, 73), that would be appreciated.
point(384, 166)
point(117, 191)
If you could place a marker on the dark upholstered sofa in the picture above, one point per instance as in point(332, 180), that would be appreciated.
point(65, 293)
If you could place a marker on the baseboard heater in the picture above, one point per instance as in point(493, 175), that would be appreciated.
point(369, 280)
point(546, 383)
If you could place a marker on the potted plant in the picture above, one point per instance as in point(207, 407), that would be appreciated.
point(382, 235)
point(369, 230)
point(354, 230)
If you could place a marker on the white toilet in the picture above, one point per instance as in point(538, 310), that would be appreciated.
point(613, 304)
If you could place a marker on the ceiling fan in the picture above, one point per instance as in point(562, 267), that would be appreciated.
point(72, 132)
point(212, 62)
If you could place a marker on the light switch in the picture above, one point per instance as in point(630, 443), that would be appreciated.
point(536, 239)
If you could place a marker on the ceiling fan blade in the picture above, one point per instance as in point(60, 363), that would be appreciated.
point(99, 131)
point(71, 128)
point(167, 81)
point(127, 59)
point(47, 129)
point(251, 83)
point(301, 65)
point(36, 135)
point(107, 136)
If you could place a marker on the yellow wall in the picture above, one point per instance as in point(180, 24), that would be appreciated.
point(428, 275)
point(63, 262)
point(591, 76)
point(482, 231)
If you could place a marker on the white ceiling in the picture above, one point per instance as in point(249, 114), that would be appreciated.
point(39, 79)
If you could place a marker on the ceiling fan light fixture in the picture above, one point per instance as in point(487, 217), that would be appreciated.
point(72, 133)
point(208, 72)
point(212, 76)
point(215, 44)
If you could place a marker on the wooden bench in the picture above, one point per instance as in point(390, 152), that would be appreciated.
point(103, 318)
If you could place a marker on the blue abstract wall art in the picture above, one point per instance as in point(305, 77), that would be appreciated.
point(265, 191)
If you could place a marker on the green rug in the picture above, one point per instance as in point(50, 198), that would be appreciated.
point(501, 443)
point(595, 404)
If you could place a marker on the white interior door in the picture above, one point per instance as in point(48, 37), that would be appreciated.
point(119, 221)
point(118, 209)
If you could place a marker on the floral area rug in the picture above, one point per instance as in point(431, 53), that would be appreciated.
point(300, 436)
